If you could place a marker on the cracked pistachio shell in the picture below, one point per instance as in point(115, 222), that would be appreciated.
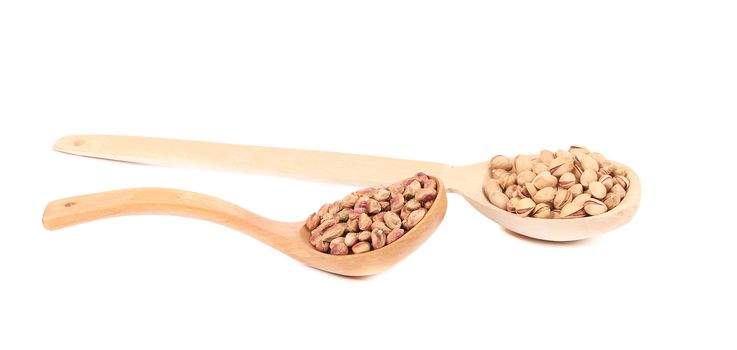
point(567, 180)
point(576, 189)
point(541, 211)
point(522, 163)
point(545, 179)
point(611, 200)
point(562, 197)
point(623, 181)
point(618, 189)
point(546, 157)
point(525, 177)
point(501, 162)
point(499, 200)
point(578, 150)
point(598, 157)
point(524, 207)
point(594, 207)
point(561, 165)
point(512, 204)
point(507, 179)
point(563, 154)
point(619, 171)
point(526, 191)
point(587, 177)
point(544, 195)
point(598, 190)
point(572, 211)
point(589, 163)
point(555, 214)
point(607, 181)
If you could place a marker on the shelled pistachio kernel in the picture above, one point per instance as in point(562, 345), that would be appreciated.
point(373, 218)
point(556, 179)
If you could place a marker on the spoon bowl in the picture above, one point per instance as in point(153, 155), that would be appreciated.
point(344, 168)
point(291, 238)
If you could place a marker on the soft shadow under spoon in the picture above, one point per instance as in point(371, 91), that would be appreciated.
point(291, 238)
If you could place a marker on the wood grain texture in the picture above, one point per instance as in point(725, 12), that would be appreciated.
point(345, 168)
point(291, 238)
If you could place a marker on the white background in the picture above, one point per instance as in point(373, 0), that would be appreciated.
point(647, 83)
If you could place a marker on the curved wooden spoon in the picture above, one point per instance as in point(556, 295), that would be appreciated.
point(291, 238)
point(347, 169)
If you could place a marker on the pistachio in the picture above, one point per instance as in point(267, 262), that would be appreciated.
point(567, 180)
point(588, 176)
point(522, 163)
point(396, 202)
point(350, 239)
point(413, 204)
point(396, 234)
point(414, 218)
point(546, 157)
point(525, 177)
point(607, 167)
point(364, 236)
point(336, 241)
point(598, 190)
point(607, 181)
point(576, 189)
point(322, 246)
point(541, 211)
point(622, 181)
point(361, 247)
point(499, 200)
point(561, 165)
point(497, 173)
point(538, 168)
point(572, 210)
point(334, 231)
point(507, 179)
point(563, 154)
point(409, 191)
point(562, 197)
point(313, 221)
point(352, 225)
point(545, 195)
point(526, 191)
point(429, 183)
point(324, 225)
point(364, 222)
point(500, 162)
point(578, 150)
point(362, 203)
point(425, 194)
point(512, 204)
point(378, 238)
point(611, 200)
point(619, 190)
point(381, 194)
point(545, 179)
point(348, 201)
point(343, 215)
point(524, 207)
point(323, 210)
point(379, 225)
point(511, 191)
point(492, 186)
point(598, 157)
point(581, 198)
point(392, 220)
point(619, 171)
point(588, 162)
point(555, 214)
point(594, 207)
point(428, 204)
point(373, 206)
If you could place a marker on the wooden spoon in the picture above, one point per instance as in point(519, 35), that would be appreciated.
point(345, 168)
point(291, 238)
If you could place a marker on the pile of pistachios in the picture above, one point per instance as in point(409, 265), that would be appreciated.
point(561, 185)
point(373, 217)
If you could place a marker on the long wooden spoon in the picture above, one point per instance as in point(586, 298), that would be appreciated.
point(347, 169)
point(291, 238)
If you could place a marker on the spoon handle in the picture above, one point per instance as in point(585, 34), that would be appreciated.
point(324, 166)
point(144, 201)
